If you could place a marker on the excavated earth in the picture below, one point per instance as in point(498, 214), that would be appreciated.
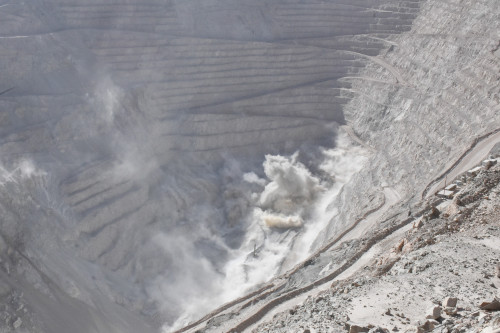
point(449, 251)
point(431, 136)
point(121, 121)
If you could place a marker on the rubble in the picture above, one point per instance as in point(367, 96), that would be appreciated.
point(427, 326)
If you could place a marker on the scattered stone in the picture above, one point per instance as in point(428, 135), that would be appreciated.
point(452, 209)
point(17, 323)
point(354, 328)
point(400, 245)
point(429, 325)
point(491, 306)
point(497, 270)
point(450, 302)
point(418, 224)
point(433, 313)
point(457, 201)
point(473, 172)
point(447, 322)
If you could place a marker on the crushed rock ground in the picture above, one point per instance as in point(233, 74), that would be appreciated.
point(452, 250)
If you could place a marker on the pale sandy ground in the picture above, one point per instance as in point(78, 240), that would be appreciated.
point(413, 294)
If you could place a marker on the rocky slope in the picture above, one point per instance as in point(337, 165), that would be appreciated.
point(451, 251)
point(127, 128)
point(417, 109)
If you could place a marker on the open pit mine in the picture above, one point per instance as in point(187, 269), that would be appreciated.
point(299, 166)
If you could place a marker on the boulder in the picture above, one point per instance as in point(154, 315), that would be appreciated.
point(491, 306)
point(451, 209)
point(433, 313)
point(450, 302)
point(434, 213)
point(354, 328)
point(446, 194)
point(487, 164)
point(358, 329)
point(497, 271)
point(427, 326)
point(473, 172)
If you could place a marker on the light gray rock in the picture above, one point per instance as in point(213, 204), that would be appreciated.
point(17, 323)
point(449, 302)
point(418, 224)
point(433, 313)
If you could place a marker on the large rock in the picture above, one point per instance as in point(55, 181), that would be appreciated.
point(433, 313)
point(450, 302)
point(355, 328)
point(451, 209)
point(491, 306)
point(427, 326)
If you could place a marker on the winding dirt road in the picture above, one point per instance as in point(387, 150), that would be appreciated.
point(471, 157)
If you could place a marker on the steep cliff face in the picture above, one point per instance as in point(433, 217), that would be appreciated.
point(424, 100)
point(130, 131)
